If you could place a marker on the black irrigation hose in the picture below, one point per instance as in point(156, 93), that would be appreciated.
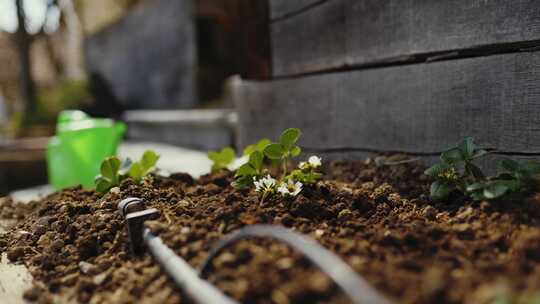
point(183, 274)
point(354, 286)
point(186, 277)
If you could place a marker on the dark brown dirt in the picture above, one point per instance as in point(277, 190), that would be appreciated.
point(377, 218)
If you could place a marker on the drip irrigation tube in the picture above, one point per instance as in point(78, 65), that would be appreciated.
point(183, 274)
point(354, 286)
point(186, 277)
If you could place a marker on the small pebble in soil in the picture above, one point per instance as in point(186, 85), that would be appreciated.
point(15, 253)
point(87, 268)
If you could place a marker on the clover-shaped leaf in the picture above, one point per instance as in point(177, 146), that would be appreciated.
point(274, 151)
point(109, 168)
point(141, 168)
point(289, 138)
point(109, 176)
point(148, 160)
point(221, 159)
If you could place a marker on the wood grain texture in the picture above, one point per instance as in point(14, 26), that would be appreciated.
point(284, 8)
point(420, 108)
point(344, 33)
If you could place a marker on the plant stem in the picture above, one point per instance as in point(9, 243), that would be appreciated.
point(265, 193)
point(285, 167)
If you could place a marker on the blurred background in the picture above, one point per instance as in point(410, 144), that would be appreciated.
point(159, 65)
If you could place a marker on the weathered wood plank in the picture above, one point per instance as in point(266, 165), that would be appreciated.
point(284, 8)
point(420, 108)
point(344, 33)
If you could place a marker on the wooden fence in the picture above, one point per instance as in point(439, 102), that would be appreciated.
point(410, 76)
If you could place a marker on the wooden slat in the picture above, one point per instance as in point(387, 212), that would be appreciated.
point(283, 8)
point(420, 108)
point(342, 33)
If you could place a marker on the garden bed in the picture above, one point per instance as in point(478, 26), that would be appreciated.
point(377, 218)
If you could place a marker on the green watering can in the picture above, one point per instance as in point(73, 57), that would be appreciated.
point(74, 155)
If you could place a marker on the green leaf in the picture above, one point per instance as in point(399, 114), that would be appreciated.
point(213, 156)
point(109, 168)
point(149, 160)
point(103, 185)
point(256, 160)
point(475, 186)
point(475, 171)
point(259, 146)
point(495, 189)
point(274, 151)
point(509, 165)
point(228, 155)
point(242, 182)
point(136, 171)
point(289, 138)
point(452, 156)
point(477, 195)
point(221, 159)
point(437, 169)
point(295, 151)
point(467, 148)
point(439, 190)
point(246, 170)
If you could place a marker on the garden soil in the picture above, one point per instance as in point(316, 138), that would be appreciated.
point(377, 218)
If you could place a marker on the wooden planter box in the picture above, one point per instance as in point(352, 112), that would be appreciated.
point(411, 76)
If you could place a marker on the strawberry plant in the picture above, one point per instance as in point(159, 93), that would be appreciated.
point(266, 153)
point(285, 148)
point(113, 171)
point(221, 159)
point(457, 172)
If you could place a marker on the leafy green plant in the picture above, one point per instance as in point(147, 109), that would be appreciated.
point(285, 148)
point(307, 171)
point(221, 159)
point(109, 177)
point(517, 177)
point(456, 171)
point(264, 155)
point(141, 168)
point(113, 171)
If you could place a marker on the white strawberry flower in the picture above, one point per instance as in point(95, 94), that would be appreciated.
point(290, 188)
point(315, 161)
point(265, 184)
point(312, 163)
